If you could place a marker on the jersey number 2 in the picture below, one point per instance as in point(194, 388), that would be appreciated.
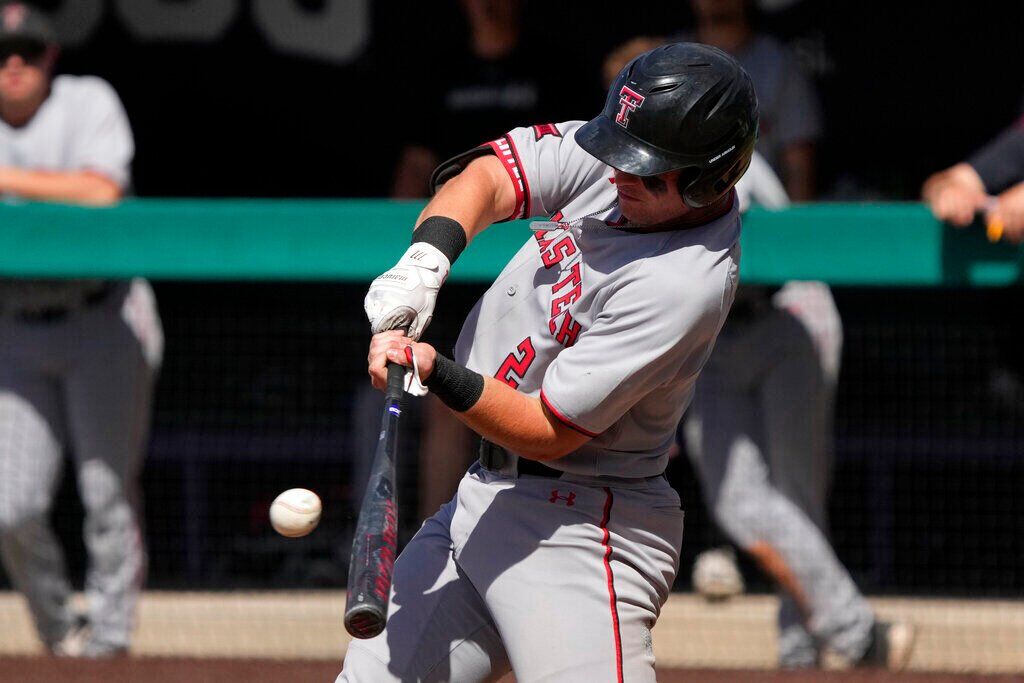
point(513, 369)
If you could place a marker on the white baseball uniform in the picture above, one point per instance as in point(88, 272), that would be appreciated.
point(77, 363)
point(561, 575)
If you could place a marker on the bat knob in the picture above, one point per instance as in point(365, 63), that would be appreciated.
point(364, 622)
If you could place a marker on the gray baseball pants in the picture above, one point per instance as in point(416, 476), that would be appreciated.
point(759, 434)
point(557, 579)
point(83, 382)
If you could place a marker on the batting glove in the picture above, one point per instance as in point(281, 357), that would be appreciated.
point(404, 296)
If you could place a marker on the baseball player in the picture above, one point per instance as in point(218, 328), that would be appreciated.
point(77, 357)
point(759, 433)
point(560, 547)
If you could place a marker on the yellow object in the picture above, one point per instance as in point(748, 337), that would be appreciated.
point(994, 228)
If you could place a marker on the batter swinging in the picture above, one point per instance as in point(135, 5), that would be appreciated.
point(562, 543)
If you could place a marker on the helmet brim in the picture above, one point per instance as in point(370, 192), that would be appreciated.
point(611, 143)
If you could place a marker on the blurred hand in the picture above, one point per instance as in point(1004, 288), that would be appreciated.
point(391, 346)
point(955, 195)
point(1009, 209)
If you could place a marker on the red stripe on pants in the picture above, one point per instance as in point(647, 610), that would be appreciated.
point(612, 598)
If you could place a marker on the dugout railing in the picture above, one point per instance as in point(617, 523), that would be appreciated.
point(261, 304)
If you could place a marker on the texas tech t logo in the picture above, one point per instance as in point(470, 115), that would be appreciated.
point(629, 100)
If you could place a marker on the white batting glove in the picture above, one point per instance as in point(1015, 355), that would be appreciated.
point(404, 296)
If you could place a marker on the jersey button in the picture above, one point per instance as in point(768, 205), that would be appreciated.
point(511, 291)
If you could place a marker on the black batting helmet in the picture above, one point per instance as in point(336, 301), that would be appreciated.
point(682, 106)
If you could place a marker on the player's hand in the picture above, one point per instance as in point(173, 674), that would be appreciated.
point(391, 347)
point(1008, 210)
point(955, 195)
point(405, 295)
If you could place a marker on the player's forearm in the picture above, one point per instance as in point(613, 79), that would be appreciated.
point(479, 196)
point(77, 187)
point(519, 423)
point(492, 409)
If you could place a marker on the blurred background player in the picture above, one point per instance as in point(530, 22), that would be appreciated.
point(991, 181)
point(791, 124)
point(491, 82)
point(77, 358)
point(759, 431)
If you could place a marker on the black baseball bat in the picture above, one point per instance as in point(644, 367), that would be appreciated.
point(376, 541)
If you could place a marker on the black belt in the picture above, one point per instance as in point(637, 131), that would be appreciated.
point(495, 458)
point(55, 314)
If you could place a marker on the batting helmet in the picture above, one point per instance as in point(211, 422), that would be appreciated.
point(682, 106)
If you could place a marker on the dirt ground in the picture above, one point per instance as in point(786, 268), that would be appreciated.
point(168, 670)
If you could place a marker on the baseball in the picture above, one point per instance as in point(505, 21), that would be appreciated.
point(295, 512)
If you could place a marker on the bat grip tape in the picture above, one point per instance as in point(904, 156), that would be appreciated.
point(396, 382)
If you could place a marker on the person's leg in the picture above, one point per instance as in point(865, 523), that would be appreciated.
point(722, 432)
point(573, 573)
point(108, 394)
point(438, 627)
point(796, 400)
point(31, 436)
point(727, 440)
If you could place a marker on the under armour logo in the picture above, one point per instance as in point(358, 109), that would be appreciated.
point(570, 500)
point(629, 100)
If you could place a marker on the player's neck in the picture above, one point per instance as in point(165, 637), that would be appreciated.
point(18, 114)
point(694, 217)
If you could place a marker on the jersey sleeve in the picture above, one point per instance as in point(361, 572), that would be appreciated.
point(546, 167)
point(1000, 163)
point(643, 338)
point(103, 139)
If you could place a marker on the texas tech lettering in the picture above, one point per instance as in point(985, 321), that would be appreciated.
point(561, 249)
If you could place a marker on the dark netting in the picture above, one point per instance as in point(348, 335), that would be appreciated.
point(264, 388)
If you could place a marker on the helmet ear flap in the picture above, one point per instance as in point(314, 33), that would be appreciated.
point(687, 176)
point(711, 184)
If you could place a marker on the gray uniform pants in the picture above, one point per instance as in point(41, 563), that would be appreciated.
point(759, 434)
point(83, 382)
point(558, 579)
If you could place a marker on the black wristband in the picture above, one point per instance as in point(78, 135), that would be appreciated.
point(457, 386)
point(444, 233)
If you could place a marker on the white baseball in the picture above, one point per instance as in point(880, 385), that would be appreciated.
point(295, 512)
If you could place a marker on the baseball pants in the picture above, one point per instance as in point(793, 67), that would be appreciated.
point(557, 579)
point(83, 383)
point(759, 433)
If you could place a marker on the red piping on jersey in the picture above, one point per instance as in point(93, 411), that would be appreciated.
point(522, 174)
point(563, 419)
point(517, 183)
point(612, 597)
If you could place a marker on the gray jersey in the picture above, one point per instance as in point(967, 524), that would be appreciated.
point(80, 127)
point(608, 326)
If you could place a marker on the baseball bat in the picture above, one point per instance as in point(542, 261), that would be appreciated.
point(376, 541)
